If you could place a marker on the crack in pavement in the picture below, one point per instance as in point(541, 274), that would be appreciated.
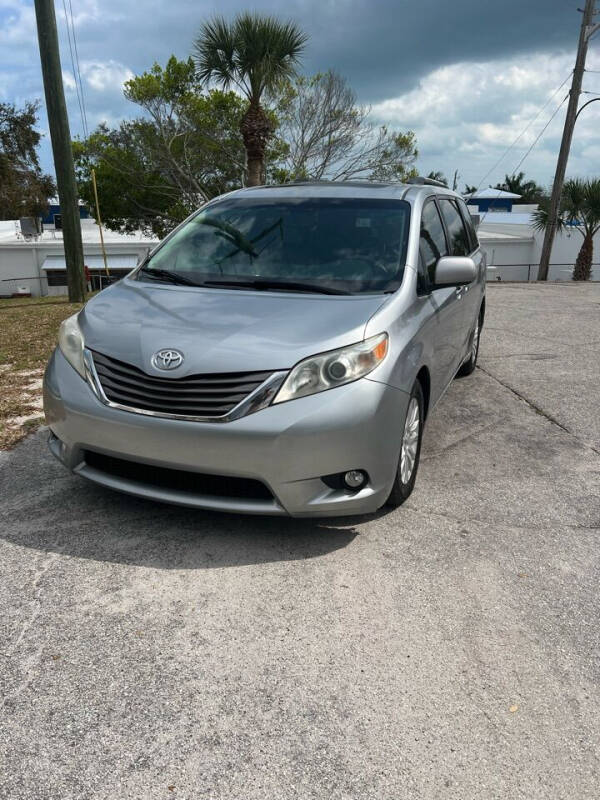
point(539, 410)
point(463, 520)
point(471, 435)
point(565, 344)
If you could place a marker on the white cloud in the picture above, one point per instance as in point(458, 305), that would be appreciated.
point(465, 115)
point(68, 81)
point(17, 31)
point(105, 76)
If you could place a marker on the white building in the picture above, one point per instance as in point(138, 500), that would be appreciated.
point(513, 247)
point(36, 264)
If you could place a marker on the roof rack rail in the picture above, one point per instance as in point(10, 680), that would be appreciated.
point(426, 182)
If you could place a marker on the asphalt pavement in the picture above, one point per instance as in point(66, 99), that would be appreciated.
point(449, 649)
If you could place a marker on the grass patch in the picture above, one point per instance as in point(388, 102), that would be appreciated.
point(28, 332)
point(19, 302)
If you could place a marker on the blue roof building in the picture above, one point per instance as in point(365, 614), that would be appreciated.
point(492, 200)
point(54, 210)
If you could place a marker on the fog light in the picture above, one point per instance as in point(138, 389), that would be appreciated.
point(354, 478)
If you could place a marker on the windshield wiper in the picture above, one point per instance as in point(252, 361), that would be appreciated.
point(167, 275)
point(269, 284)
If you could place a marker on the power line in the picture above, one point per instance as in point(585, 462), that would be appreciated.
point(79, 98)
point(85, 128)
point(535, 141)
point(541, 133)
point(524, 131)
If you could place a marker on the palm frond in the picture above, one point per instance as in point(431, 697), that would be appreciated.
point(579, 207)
point(573, 199)
point(254, 52)
point(592, 199)
point(214, 52)
point(539, 219)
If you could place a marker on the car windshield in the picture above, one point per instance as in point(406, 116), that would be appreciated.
point(328, 244)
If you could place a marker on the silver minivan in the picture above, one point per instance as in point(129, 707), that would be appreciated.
point(278, 353)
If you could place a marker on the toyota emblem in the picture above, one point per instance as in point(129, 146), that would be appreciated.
point(167, 359)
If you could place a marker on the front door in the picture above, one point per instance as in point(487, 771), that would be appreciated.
point(444, 329)
point(460, 244)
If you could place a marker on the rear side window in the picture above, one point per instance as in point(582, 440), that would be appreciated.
point(468, 219)
point(432, 244)
point(457, 232)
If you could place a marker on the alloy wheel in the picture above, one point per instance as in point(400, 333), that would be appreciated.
point(475, 342)
point(410, 440)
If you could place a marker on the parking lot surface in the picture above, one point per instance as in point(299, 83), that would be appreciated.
point(449, 649)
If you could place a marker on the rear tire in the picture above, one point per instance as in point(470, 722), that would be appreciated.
point(469, 366)
point(410, 449)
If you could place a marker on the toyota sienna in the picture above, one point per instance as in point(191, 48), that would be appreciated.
point(278, 353)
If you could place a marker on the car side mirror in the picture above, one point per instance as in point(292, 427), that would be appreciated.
point(454, 271)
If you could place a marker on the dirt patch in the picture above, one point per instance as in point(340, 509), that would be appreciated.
point(27, 337)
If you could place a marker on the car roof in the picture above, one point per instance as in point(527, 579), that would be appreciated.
point(359, 189)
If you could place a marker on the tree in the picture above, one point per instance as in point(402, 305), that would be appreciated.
point(469, 189)
point(324, 133)
point(155, 170)
point(24, 188)
point(254, 53)
point(579, 210)
point(529, 190)
point(133, 194)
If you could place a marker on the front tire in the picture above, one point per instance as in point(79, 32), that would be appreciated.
point(410, 449)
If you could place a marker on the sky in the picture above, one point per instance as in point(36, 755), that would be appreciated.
point(467, 76)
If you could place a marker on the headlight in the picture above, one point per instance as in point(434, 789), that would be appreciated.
point(70, 341)
point(327, 370)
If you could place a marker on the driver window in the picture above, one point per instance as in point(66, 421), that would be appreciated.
point(432, 243)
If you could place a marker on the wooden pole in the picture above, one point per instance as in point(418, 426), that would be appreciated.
point(61, 148)
point(567, 137)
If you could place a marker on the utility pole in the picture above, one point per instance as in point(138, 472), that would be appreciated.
point(61, 147)
point(587, 29)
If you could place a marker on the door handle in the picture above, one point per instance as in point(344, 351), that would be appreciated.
point(459, 291)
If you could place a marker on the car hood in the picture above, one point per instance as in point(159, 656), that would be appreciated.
point(221, 330)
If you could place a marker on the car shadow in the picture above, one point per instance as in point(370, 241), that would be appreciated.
point(81, 520)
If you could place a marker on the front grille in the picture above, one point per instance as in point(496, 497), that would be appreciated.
point(212, 395)
point(196, 483)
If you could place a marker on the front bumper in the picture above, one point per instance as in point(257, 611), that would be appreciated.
point(288, 446)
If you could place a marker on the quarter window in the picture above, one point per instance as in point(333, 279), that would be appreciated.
point(468, 220)
point(457, 233)
point(432, 245)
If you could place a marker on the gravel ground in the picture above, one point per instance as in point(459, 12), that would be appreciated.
point(449, 649)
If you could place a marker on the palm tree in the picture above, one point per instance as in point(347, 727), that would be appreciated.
point(253, 54)
point(529, 190)
point(579, 210)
